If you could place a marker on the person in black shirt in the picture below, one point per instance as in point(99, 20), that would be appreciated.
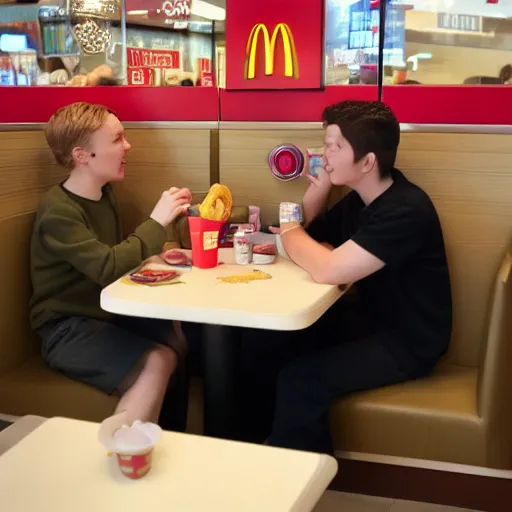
point(386, 237)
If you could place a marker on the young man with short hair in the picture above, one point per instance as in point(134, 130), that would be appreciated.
point(386, 237)
point(77, 248)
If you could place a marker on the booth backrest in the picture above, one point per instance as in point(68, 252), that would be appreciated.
point(160, 158)
point(18, 342)
point(495, 378)
point(469, 178)
point(27, 170)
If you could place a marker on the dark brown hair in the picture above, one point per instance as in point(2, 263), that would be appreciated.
point(369, 127)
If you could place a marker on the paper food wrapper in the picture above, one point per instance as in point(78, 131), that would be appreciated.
point(132, 444)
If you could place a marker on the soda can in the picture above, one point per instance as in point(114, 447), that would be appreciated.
point(290, 212)
point(242, 248)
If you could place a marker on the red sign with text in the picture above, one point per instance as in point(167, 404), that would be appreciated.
point(274, 44)
point(153, 67)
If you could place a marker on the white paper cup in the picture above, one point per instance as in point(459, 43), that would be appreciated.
point(132, 445)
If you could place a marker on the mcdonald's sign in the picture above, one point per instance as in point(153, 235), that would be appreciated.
point(274, 44)
point(291, 64)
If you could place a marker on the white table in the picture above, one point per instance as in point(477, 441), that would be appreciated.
point(289, 301)
point(62, 467)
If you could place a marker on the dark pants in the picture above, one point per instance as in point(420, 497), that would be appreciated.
point(293, 377)
point(102, 354)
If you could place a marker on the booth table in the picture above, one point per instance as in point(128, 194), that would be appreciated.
point(289, 301)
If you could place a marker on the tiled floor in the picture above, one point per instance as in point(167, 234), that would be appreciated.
point(343, 502)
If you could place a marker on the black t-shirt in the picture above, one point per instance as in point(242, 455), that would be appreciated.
point(411, 295)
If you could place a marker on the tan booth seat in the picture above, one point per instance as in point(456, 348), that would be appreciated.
point(160, 157)
point(27, 385)
point(459, 414)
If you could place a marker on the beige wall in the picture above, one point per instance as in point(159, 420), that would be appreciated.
point(453, 64)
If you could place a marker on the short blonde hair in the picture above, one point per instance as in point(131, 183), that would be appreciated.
point(72, 126)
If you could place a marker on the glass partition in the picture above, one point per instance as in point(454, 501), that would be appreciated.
point(452, 42)
point(182, 42)
point(352, 42)
point(109, 42)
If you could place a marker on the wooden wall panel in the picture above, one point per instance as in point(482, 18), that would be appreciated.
point(160, 159)
point(469, 178)
point(243, 157)
point(27, 170)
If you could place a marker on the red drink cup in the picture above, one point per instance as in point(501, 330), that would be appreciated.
point(204, 237)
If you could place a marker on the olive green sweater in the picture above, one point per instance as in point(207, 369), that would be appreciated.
point(77, 248)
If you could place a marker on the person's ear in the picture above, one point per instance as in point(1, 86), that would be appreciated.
point(369, 162)
point(81, 156)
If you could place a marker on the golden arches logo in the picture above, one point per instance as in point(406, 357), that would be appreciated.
point(291, 65)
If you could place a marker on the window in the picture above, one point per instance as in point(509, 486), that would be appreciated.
point(351, 42)
point(453, 42)
point(154, 42)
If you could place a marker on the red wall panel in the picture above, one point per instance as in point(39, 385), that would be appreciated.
point(303, 27)
point(292, 106)
point(450, 104)
point(37, 104)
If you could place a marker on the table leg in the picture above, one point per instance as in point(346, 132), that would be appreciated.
point(173, 415)
point(219, 356)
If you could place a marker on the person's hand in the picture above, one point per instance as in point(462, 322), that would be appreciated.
point(322, 181)
point(274, 230)
point(172, 203)
point(317, 194)
point(173, 190)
